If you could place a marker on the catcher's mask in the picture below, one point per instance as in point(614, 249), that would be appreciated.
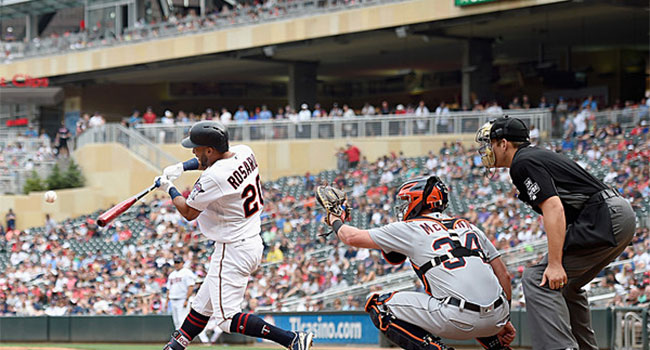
point(424, 193)
point(511, 129)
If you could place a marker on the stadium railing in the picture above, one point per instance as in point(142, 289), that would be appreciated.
point(12, 178)
point(361, 126)
point(271, 11)
point(631, 328)
point(397, 281)
point(130, 139)
point(403, 280)
point(627, 117)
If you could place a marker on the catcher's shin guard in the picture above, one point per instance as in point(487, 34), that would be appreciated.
point(403, 334)
point(492, 343)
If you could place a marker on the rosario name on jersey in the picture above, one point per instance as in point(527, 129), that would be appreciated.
point(229, 196)
point(467, 278)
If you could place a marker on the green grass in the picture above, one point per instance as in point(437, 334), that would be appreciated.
point(126, 346)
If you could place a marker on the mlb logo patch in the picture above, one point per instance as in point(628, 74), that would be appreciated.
point(198, 188)
point(532, 188)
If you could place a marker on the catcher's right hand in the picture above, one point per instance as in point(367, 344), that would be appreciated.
point(335, 203)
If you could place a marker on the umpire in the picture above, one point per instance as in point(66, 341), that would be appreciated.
point(587, 226)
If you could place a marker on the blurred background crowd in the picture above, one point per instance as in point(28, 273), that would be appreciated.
point(75, 267)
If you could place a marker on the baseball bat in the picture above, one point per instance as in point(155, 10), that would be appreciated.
point(120, 208)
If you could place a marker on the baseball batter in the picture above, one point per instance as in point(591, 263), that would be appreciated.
point(466, 282)
point(180, 284)
point(227, 202)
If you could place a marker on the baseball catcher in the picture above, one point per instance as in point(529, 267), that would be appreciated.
point(466, 282)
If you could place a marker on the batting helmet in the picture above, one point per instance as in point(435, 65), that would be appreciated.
point(423, 193)
point(207, 133)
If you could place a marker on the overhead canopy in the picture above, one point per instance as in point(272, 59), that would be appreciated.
point(38, 96)
point(23, 8)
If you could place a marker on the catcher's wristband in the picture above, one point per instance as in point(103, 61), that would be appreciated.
point(173, 192)
point(336, 226)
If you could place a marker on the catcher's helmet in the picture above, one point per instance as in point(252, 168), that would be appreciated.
point(423, 193)
point(207, 133)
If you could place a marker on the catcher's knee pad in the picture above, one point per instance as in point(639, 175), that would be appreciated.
point(492, 343)
point(402, 333)
point(379, 314)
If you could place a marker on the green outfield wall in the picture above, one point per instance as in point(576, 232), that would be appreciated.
point(157, 328)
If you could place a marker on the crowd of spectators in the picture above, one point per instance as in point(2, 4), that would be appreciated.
point(44, 274)
point(24, 153)
point(20, 156)
point(103, 32)
point(574, 115)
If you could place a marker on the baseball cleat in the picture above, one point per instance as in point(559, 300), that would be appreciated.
point(177, 342)
point(302, 341)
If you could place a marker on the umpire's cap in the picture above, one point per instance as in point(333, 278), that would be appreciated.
point(207, 133)
point(511, 129)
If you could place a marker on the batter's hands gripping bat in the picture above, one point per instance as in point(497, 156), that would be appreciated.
point(120, 208)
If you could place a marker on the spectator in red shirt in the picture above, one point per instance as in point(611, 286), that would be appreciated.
point(354, 155)
point(124, 234)
point(149, 116)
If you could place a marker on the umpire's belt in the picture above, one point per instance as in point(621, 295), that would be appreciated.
point(471, 306)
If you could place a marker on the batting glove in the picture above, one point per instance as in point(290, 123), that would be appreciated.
point(173, 172)
point(163, 183)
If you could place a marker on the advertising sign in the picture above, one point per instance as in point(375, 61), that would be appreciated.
point(339, 328)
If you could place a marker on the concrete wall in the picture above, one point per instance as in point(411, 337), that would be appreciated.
point(282, 158)
point(112, 174)
point(276, 32)
point(30, 209)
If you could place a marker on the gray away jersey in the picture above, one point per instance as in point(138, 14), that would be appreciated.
point(423, 239)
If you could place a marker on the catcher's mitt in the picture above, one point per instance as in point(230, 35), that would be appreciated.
point(334, 201)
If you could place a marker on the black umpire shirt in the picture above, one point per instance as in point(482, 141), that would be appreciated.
point(540, 174)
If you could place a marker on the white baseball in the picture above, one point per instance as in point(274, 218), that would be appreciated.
point(50, 196)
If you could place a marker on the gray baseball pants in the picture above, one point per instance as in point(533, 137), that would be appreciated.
point(561, 317)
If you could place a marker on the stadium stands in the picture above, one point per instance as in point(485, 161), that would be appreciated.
point(21, 155)
point(73, 267)
point(176, 24)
